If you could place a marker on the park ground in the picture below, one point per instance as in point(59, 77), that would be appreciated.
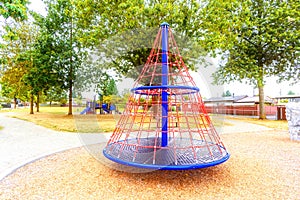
point(264, 164)
point(56, 118)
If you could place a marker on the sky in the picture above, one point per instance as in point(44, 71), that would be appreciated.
point(37, 6)
point(271, 88)
point(203, 78)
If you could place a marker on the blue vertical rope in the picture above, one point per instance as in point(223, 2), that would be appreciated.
point(164, 81)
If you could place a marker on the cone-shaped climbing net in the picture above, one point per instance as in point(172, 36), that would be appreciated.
point(165, 124)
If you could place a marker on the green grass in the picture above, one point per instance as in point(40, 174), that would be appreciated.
point(56, 118)
point(275, 124)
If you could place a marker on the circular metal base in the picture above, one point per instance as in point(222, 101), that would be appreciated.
point(178, 155)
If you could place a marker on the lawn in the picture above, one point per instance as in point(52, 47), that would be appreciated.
point(275, 124)
point(56, 118)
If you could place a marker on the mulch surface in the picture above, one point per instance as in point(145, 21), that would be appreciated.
point(264, 165)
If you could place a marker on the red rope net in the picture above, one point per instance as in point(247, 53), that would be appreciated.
point(193, 141)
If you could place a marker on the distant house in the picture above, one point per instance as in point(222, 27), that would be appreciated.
point(254, 100)
point(237, 105)
point(236, 100)
point(223, 100)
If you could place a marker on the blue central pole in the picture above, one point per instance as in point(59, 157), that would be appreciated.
point(164, 82)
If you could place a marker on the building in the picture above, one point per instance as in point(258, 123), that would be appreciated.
point(238, 105)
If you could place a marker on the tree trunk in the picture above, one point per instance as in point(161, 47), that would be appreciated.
point(15, 102)
point(262, 112)
point(31, 104)
point(38, 103)
point(70, 99)
point(260, 64)
point(71, 69)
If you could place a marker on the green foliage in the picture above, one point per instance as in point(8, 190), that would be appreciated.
point(259, 38)
point(122, 33)
point(12, 11)
point(15, 9)
point(107, 85)
point(291, 93)
point(63, 101)
point(17, 60)
point(60, 47)
point(226, 94)
point(56, 94)
point(108, 18)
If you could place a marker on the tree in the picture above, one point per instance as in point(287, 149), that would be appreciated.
point(257, 39)
point(12, 11)
point(66, 53)
point(107, 85)
point(291, 93)
point(226, 94)
point(42, 75)
point(13, 90)
point(17, 60)
point(55, 94)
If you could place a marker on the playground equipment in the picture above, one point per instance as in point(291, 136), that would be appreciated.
point(93, 106)
point(85, 111)
point(90, 108)
point(105, 108)
point(165, 124)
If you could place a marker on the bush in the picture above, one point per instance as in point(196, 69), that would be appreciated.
point(63, 101)
point(5, 105)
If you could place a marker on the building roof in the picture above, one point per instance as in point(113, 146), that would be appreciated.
point(288, 97)
point(237, 99)
point(224, 99)
point(254, 99)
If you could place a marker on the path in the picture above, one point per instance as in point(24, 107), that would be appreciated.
point(22, 142)
point(240, 126)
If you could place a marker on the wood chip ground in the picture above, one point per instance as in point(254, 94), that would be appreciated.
point(263, 165)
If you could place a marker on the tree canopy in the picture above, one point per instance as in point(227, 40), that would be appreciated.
point(17, 59)
point(107, 85)
point(226, 94)
point(15, 9)
point(122, 33)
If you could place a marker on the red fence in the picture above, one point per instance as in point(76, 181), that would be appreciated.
point(250, 110)
point(233, 110)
